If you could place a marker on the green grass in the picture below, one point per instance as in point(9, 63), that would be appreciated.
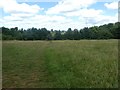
point(60, 64)
point(0, 64)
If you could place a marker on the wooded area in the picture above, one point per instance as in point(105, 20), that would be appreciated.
point(106, 31)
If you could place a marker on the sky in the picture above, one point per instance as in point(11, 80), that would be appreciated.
point(57, 14)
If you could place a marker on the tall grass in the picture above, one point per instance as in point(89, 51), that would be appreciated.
point(61, 64)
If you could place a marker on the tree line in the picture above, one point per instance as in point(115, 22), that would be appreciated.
point(106, 31)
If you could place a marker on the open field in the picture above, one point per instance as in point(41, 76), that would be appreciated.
point(60, 64)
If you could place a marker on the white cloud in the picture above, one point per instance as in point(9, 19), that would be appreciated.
point(54, 21)
point(57, 22)
point(66, 14)
point(59, 25)
point(48, 18)
point(11, 6)
point(85, 13)
point(113, 5)
point(17, 17)
point(22, 15)
point(38, 21)
point(11, 18)
point(1, 20)
point(101, 19)
point(18, 12)
point(81, 10)
point(69, 5)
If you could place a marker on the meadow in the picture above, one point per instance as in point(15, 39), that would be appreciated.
point(60, 64)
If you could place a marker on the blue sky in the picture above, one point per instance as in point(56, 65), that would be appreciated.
point(57, 14)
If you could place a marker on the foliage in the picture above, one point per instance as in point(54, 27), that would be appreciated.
point(106, 31)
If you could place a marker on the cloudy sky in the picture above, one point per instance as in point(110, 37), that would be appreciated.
point(57, 14)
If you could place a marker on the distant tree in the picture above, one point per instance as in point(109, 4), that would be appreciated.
point(106, 31)
point(69, 34)
point(57, 35)
point(49, 37)
point(76, 34)
point(44, 33)
point(94, 32)
point(85, 33)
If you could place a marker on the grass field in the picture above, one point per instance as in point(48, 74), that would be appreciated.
point(60, 64)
